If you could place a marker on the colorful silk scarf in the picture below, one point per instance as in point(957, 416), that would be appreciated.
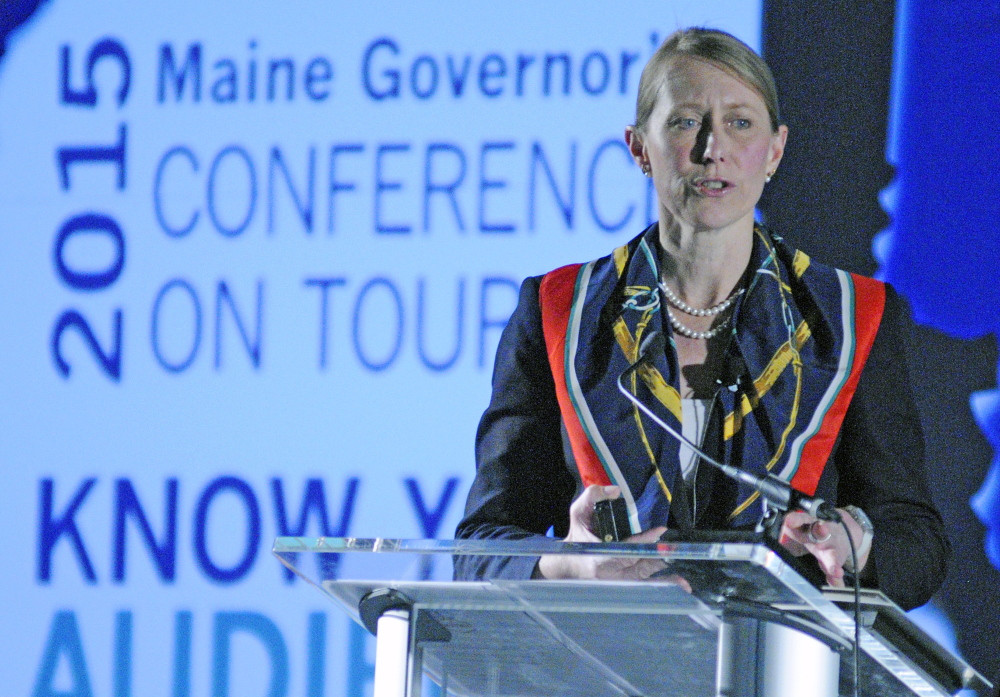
point(799, 339)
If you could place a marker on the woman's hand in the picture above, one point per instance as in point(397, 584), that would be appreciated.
point(802, 533)
point(581, 515)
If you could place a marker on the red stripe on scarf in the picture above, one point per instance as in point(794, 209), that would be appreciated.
point(869, 304)
point(555, 298)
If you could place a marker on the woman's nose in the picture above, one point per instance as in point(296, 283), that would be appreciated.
point(711, 147)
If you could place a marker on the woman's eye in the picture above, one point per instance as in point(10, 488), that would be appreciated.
point(741, 124)
point(683, 123)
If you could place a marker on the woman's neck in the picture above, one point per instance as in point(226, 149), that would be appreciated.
point(704, 267)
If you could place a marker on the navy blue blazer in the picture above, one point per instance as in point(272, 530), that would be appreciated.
point(528, 467)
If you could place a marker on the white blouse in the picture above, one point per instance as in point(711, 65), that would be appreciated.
point(693, 422)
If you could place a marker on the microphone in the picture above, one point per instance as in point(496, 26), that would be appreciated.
point(776, 491)
point(654, 343)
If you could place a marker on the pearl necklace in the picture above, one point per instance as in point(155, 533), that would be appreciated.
point(695, 312)
point(688, 310)
point(691, 333)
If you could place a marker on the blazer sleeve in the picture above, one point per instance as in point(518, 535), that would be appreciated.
point(522, 487)
point(881, 465)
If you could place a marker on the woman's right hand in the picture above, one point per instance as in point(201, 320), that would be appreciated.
point(581, 529)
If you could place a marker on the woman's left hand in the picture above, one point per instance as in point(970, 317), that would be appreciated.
point(802, 533)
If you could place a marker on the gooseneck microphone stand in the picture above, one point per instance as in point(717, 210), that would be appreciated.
point(776, 492)
point(779, 494)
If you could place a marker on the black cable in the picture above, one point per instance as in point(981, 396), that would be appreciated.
point(857, 604)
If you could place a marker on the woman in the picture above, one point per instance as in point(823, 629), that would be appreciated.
point(774, 363)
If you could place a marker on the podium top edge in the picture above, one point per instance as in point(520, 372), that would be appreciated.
point(736, 546)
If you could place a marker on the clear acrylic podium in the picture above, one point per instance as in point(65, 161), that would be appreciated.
point(743, 623)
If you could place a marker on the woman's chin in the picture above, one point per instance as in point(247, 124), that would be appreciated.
point(719, 219)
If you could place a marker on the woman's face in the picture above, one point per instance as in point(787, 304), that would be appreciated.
point(709, 145)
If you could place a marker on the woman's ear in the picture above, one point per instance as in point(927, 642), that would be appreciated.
point(777, 147)
point(634, 142)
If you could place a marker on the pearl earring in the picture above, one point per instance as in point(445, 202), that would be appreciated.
point(767, 177)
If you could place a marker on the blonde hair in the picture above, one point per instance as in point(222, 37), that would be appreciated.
point(719, 47)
